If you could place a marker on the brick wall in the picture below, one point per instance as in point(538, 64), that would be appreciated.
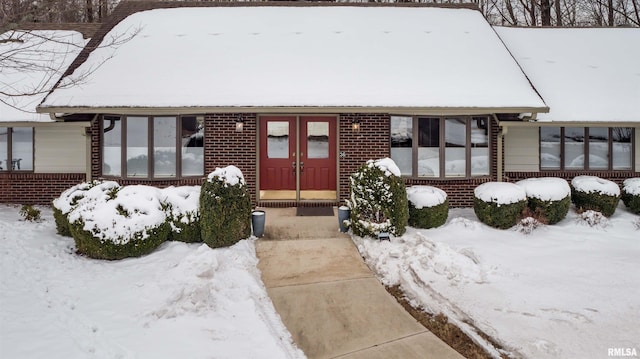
point(35, 188)
point(615, 176)
point(371, 142)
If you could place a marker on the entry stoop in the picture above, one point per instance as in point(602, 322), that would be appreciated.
point(283, 224)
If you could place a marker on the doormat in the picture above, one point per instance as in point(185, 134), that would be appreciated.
point(314, 211)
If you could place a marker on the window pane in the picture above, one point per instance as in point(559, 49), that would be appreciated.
point(137, 147)
point(112, 147)
point(277, 139)
point(574, 147)
point(4, 148)
point(164, 146)
point(192, 146)
point(22, 149)
point(317, 139)
point(429, 147)
point(479, 146)
point(550, 147)
point(598, 148)
point(401, 143)
point(454, 155)
point(622, 149)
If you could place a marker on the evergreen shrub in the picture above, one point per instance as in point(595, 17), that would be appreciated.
point(428, 206)
point(225, 208)
point(115, 224)
point(499, 204)
point(596, 194)
point(69, 199)
point(548, 197)
point(181, 205)
point(378, 200)
point(631, 194)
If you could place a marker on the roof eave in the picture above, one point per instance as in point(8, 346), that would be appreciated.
point(399, 110)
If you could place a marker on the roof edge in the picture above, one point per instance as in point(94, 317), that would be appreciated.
point(294, 109)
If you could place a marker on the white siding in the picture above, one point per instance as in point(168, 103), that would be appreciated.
point(521, 149)
point(60, 149)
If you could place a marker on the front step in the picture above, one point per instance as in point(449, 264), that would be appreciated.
point(283, 224)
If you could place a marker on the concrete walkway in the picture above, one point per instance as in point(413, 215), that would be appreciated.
point(329, 300)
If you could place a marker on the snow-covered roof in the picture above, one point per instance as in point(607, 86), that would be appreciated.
point(584, 75)
point(302, 56)
point(34, 62)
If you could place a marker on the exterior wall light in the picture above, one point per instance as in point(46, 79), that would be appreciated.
point(355, 124)
point(239, 123)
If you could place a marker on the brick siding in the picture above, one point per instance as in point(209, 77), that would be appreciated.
point(615, 176)
point(35, 188)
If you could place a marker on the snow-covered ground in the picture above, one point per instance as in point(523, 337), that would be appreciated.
point(181, 301)
point(563, 291)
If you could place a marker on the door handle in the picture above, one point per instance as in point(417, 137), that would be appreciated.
point(301, 166)
point(293, 166)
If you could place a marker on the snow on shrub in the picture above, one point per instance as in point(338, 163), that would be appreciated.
point(70, 198)
point(528, 224)
point(631, 194)
point(549, 197)
point(182, 207)
point(592, 218)
point(114, 223)
point(225, 208)
point(428, 206)
point(378, 199)
point(499, 204)
point(594, 193)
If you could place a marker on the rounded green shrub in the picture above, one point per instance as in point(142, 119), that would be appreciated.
point(225, 208)
point(129, 222)
point(378, 199)
point(428, 206)
point(70, 198)
point(499, 204)
point(182, 207)
point(596, 194)
point(631, 194)
point(549, 197)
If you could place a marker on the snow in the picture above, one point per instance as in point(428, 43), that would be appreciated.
point(47, 54)
point(386, 165)
point(584, 75)
point(230, 175)
point(425, 196)
point(564, 291)
point(632, 186)
point(500, 192)
point(181, 301)
point(307, 56)
point(546, 188)
point(590, 184)
point(184, 200)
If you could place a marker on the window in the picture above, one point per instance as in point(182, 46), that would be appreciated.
point(586, 148)
point(153, 147)
point(446, 147)
point(16, 149)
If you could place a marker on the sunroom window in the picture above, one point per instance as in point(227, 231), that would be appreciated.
point(153, 147)
point(16, 149)
point(586, 148)
point(446, 147)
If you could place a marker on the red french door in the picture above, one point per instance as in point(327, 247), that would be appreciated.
point(298, 155)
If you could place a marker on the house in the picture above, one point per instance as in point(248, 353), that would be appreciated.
point(590, 78)
point(298, 96)
point(38, 156)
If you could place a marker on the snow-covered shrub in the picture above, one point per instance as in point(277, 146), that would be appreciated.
point(182, 205)
point(70, 198)
point(593, 218)
point(548, 196)
point(225, 208)
point(428, 206)
point(114, 223)
point(594, 193)
point(528, 224)
point(631, 194)
point(378, 199)
point(499, 204)
point(30, 213)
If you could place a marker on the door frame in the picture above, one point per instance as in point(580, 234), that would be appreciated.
point(297, 116)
